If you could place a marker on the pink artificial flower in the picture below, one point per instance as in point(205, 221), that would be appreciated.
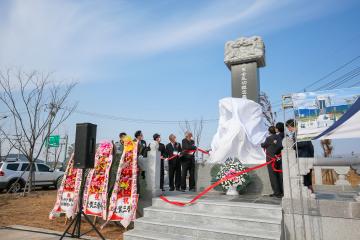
point(105, 147)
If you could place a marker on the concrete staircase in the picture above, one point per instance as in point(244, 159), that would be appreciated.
point(209, 219)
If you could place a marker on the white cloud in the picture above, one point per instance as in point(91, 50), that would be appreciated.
point(72, 37)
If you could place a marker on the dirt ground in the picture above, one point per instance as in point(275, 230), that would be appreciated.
point(33, 210)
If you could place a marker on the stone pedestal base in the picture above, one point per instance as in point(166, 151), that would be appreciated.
point(260, 183)
point(150, 186)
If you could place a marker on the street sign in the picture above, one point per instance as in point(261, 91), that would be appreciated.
point(53, 141)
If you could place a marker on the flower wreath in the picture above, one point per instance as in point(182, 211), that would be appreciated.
point(229, 167)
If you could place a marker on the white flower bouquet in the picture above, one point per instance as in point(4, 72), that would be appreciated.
point(230, 167)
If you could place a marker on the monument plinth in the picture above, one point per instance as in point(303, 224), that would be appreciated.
point(243, 57)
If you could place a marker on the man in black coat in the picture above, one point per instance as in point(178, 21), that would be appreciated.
point(188, 162)
point(273, 146)
point(174, 149)
point(142, 148)
point(305, 149)
point(118, 149)
point(279, 127)
point(163, 155)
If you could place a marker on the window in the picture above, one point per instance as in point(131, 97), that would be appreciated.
point(25, 167)
point(12, 166)
point(43, 168)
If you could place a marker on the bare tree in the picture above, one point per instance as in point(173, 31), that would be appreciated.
point(195, 127)
point(37, 106)
point(8, 150)
point(69, 152)
point(267, 109)
point(57, 153)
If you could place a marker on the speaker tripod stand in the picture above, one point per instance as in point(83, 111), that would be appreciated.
point(76, 221)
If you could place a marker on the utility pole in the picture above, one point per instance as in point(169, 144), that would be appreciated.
point(3, 117)
point(66, 146)
point(53, 109)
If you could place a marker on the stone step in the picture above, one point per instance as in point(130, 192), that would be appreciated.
point(242, 209)
point(141, 235)
point(234, 221)
point(202, 231)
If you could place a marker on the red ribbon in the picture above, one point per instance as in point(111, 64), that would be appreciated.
point(203, 151)
point(197, 149)
point(187, 151)
point(183, 204)
point(273, 164)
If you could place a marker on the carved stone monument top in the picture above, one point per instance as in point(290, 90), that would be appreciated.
point(245, 50)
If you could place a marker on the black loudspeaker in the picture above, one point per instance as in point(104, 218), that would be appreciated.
point(85, 143)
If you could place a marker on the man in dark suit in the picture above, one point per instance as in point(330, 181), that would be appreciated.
point(305, 149)
point(141, 153)
point(118, 151)
point(163, 155)
point(142, 148)
point(273, 146)
point(188, 162)
point(270, 145)
point(174, 149)
point(279, 127)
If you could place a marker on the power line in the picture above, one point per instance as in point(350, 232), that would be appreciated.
point(332, 72)
point(279, 103)
point(137, 120)
point(340, 80)
point(355, 84)
point(345, 80)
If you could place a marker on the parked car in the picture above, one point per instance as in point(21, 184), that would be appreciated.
point(14, 174)
point(18, 157)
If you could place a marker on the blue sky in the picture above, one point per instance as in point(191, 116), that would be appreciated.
point(164, 59)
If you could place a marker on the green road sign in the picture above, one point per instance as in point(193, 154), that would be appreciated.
point(53, 141)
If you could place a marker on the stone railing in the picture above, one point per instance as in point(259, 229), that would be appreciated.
point(150, 186)
point(295, 168)
point(341, 166)
point(332, 211)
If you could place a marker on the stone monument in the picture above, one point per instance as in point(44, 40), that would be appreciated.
point(243, 57)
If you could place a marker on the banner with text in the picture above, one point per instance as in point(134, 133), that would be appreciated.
point(124, 197)
point(317, 111)
point(95, 193)
point(68, 193)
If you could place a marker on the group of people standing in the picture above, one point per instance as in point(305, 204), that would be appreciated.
point(181, 161)
point(180, 156)
point(273, 146)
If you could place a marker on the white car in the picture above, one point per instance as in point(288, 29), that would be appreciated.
point(12, 175)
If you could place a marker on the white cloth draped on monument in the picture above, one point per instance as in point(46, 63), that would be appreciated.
point(240, 132)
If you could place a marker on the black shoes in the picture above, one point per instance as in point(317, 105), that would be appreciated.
point(183, 190)
point(172, 189)
point(277, 195)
